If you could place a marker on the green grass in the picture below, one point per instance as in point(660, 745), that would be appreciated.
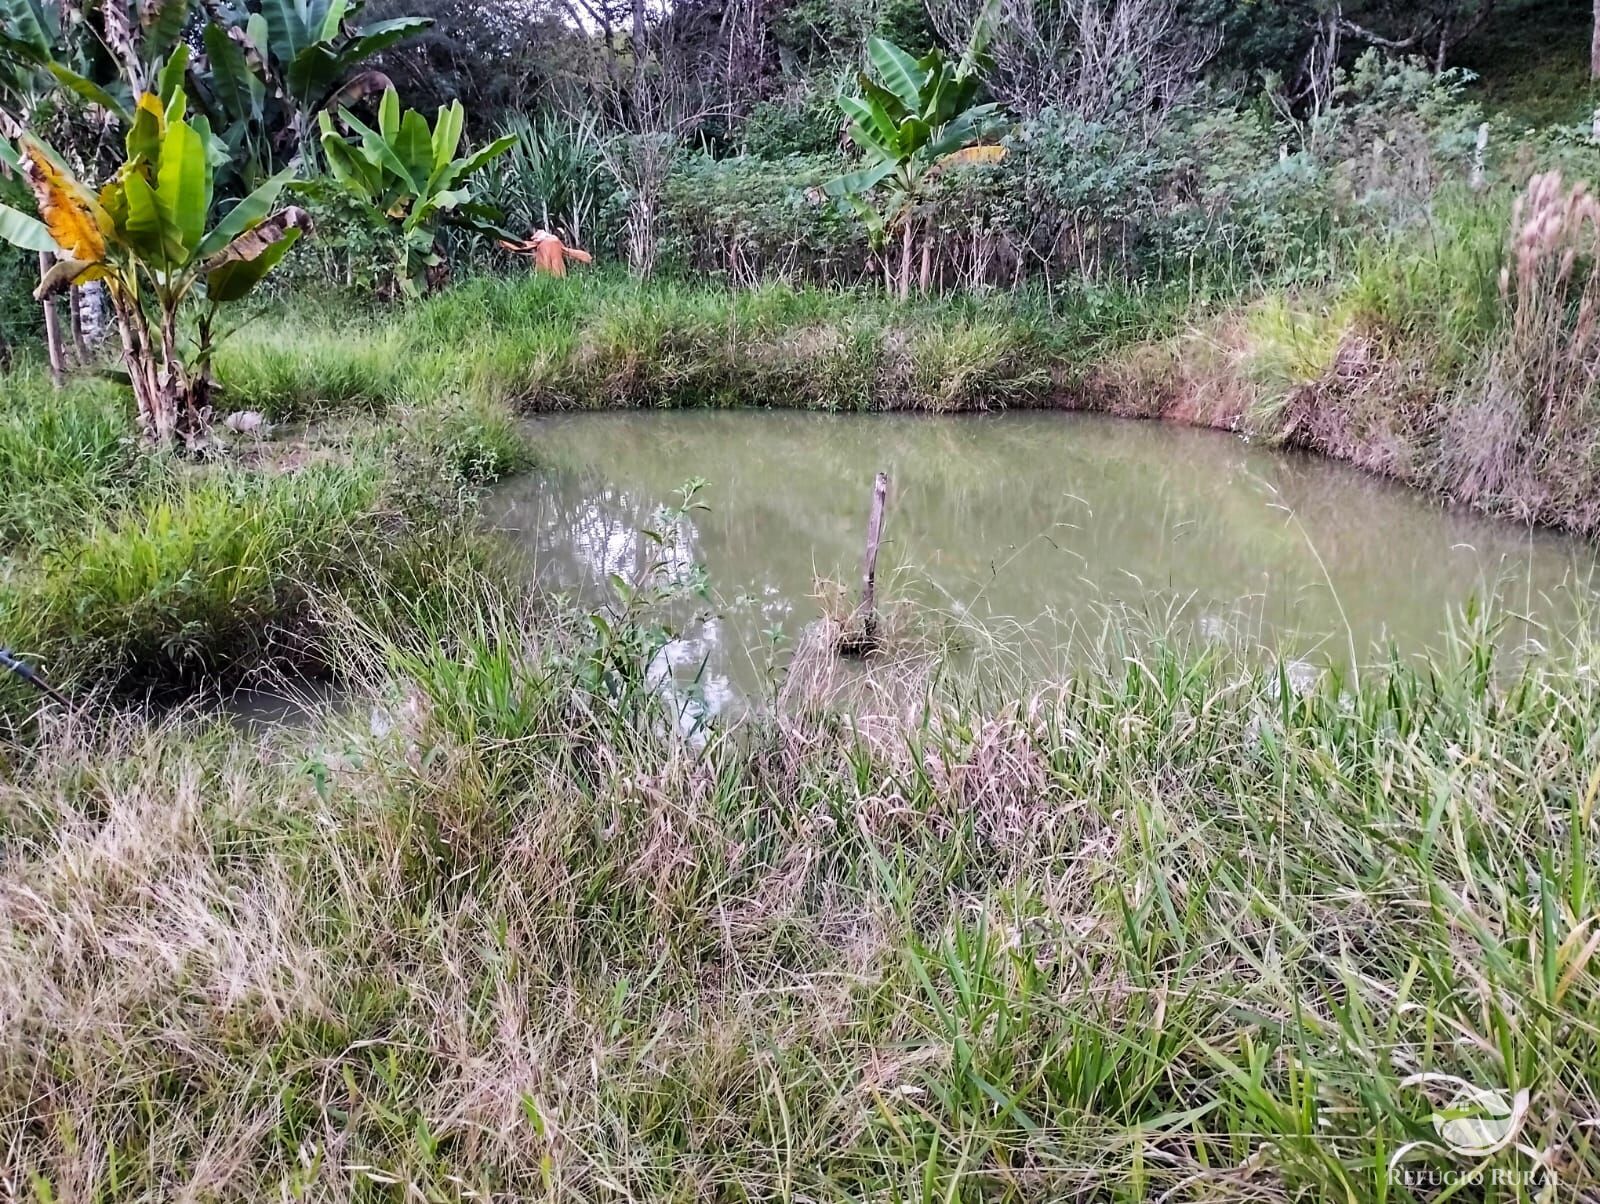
point(132, 569)
point(499, 931)
point(599, 339)
point(1170, 928)
point(61, 455)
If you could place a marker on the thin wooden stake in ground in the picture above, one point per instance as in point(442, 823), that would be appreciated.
point(862, 635)
point(52, 326)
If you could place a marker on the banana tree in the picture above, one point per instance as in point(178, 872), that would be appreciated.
point(260, 72)
point(917, 112)
point(145, 235)
point(277, 65)
point(108, 52)
point(409, 181)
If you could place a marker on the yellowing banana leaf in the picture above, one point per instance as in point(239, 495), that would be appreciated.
point(65, 273)
point(65, 206)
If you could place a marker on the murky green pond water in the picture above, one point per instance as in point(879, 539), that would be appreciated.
point(1029, 522)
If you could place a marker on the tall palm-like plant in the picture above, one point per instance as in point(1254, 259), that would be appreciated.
point(550, 178)
point(147, 234)
point(409, 180)
point(917, 112)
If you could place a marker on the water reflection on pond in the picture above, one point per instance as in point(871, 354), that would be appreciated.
point(1039, 518)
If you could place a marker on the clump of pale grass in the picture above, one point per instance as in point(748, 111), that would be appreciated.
point(1521, 437)
point(1551, 290)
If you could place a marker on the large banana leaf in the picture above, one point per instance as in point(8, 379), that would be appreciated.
point(67, 272)
point(145, 226)
point(446, 140)
point(240, 266)
point(313, 72)
point(414, 148)
point(380, 35)
point(975, 123)
point(878, 128)
point(248, 212)
point(389, 115)
point(29, 233)
point(357, 173)
point(859, 181)
point(183, 189)
point(169, 84)
point(328, 28)
point(473, 162)
point(89, 90)
point(65, 206)
point(162, 22)
point(238, 90)
point(376, 148)
point(27, 29)
point(898, 71)
point(286, 29)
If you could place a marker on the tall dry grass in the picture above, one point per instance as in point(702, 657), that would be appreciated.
point(1520, 436)
point(1551, 291)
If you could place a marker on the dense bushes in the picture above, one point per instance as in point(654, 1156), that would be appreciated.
point(1218, 195)
point(1221, 195)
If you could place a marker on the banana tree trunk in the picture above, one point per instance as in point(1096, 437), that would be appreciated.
point(172, 405)
point(905, 261)
point(927, 258)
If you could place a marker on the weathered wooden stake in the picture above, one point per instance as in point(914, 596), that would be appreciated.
point(865, 635)
point(52, 325)
point(1479, 151)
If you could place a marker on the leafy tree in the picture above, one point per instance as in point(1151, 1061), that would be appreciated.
point(148, 235)
point(921, 111)
point(409, 179)
point(107, 52)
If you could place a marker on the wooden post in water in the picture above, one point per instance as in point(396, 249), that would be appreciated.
point(862, 634)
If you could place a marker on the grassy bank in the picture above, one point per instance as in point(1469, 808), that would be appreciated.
point(604, 340)
point(1419, 363)
point(1169, 929)
point(126, 569)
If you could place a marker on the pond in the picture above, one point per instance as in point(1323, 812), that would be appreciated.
point(1030, 523)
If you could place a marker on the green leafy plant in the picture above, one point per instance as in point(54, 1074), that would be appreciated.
point(550, 178)
point(258, 71)
point(107, 53)
point(921, 111)
point(411, 180)
point(272, 69)
point(145, 235)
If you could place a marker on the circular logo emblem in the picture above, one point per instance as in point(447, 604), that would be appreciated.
point(1475, 1122)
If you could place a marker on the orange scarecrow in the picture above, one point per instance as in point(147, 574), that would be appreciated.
point(549, 253)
